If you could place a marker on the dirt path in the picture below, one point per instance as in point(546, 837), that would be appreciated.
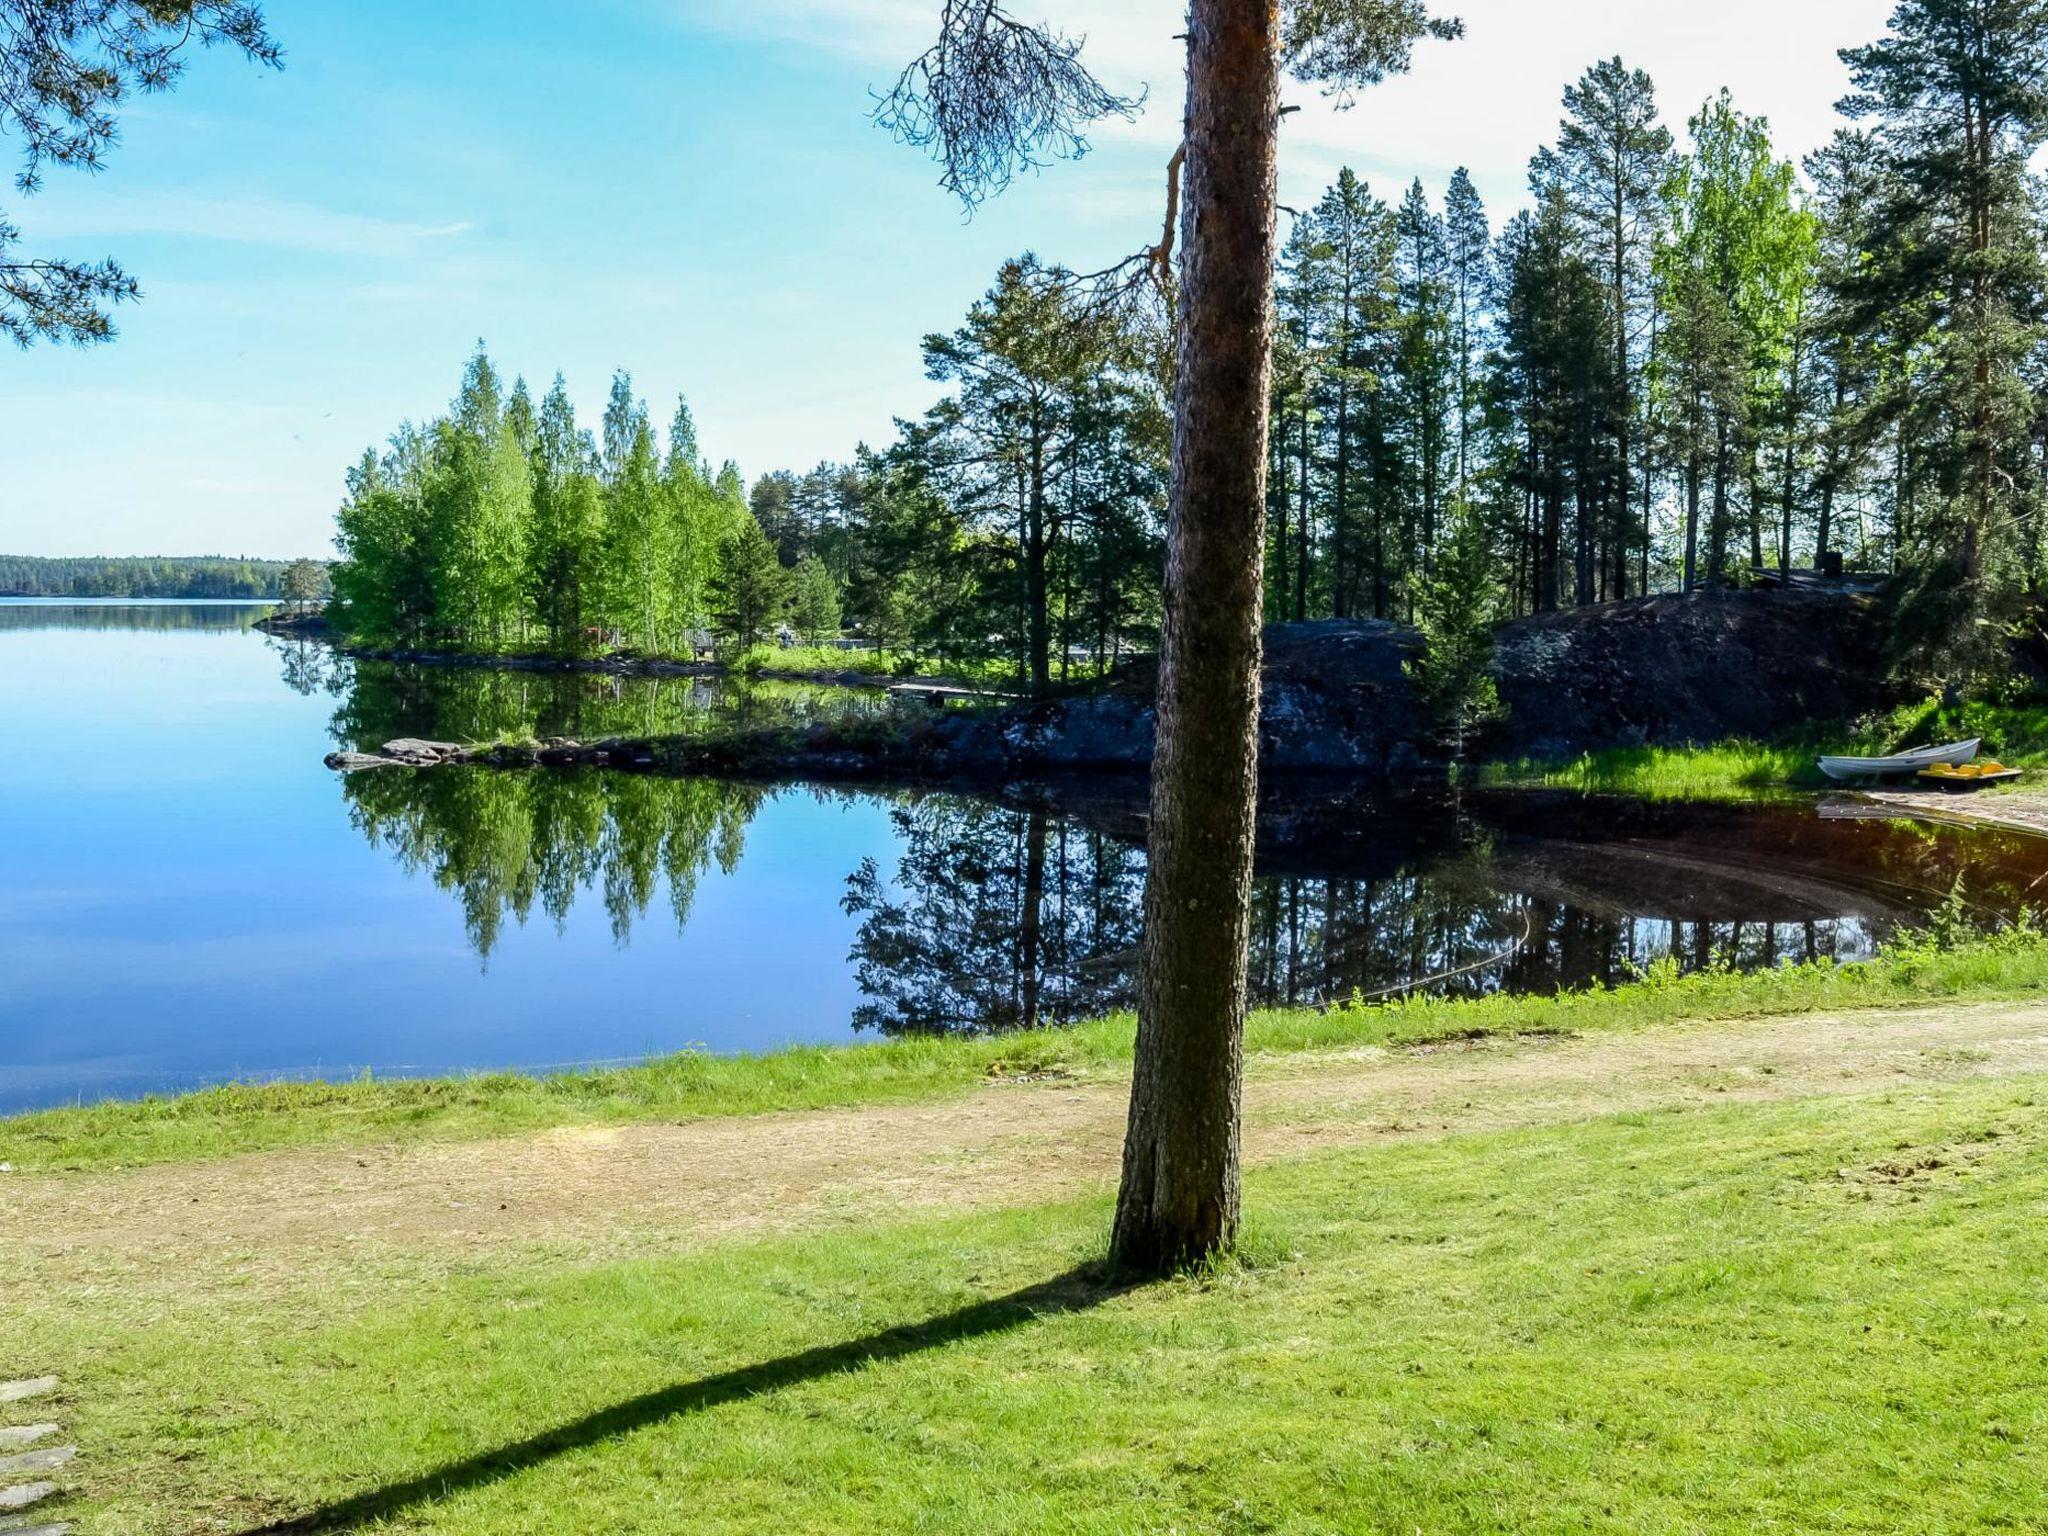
point(650, 1188)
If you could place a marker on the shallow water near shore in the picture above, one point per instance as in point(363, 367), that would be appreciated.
point(191, 897)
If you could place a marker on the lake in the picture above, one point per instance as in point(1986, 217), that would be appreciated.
point(192, 897)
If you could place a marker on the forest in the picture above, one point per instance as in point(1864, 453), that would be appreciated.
point(142, 576)
point(1688, 363)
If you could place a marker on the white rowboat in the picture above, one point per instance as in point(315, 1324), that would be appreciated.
point(1954, 755)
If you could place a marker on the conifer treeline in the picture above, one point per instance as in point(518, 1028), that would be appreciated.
point(1687, 365)
point(165, 576)
point(1684, 364)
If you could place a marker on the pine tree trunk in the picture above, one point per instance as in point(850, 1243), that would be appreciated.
point(1624, 408)
point(1693, 474)
point(1301, 526)
point(1179, 1198)
point(1037, 596)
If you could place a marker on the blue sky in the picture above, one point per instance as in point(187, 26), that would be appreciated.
point(686, 188)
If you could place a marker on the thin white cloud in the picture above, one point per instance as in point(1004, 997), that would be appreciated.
point(1487, 102)
point(1124, 37)
point(873, 30)
point(260, 221)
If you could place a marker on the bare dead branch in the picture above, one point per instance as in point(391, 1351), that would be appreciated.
point(995, 97)
point(1162, 253)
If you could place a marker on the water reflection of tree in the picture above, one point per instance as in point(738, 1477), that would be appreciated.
point(504, 843)
point(309, 667)
point(208, 618)
point(1000, 918)
point(1323, 941)
point(996, 919)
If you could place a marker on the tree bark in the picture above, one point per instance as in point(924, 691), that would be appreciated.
point(1180, 1194)
point(1037, 597)
point(1301, 525)
point(1693, 476)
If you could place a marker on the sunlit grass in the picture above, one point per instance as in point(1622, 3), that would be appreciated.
point(1743, 770)
point(1746, 770)
point(1816, 1316)
point(992, 674)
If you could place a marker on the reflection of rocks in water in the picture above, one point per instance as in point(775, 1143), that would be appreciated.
point(475, 704)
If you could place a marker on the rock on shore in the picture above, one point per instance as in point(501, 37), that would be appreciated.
point(1699, 667)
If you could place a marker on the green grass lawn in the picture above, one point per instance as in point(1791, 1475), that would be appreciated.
point(249, 1117)
point(989, 674)
point(1747, 770)
point(1825, 1315)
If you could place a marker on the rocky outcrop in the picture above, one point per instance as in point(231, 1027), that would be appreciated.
point(1698, 667)
point(1337, 699)
point(1334, 697)
point(295, 624)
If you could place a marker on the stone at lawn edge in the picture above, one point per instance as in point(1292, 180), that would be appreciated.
point(25, 1494)
point(37, 1461)
point(15, 1436)
point(17, 1391)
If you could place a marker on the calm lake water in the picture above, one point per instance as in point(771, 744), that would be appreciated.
point(191, 897)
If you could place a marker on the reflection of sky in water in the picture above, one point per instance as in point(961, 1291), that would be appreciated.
point(190, 895)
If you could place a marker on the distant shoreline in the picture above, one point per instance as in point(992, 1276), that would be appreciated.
point(138, 597)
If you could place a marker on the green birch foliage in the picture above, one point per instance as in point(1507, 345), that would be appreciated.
point(480, 502)
point(1736, 262)
point(691, 527)
point(564, 576)
point(382, 583)
point(639, 567)
point(504, 524)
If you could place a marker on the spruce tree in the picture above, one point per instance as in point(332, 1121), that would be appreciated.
point(751, 593)
point(814, 602)
point(1457, 610)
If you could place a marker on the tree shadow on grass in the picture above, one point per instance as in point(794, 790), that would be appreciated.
point(1077, 1290)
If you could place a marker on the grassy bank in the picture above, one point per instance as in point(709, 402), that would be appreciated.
point(1817, 1316)
point(1746, 770)
point(250, 1117)
point(988, 674)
